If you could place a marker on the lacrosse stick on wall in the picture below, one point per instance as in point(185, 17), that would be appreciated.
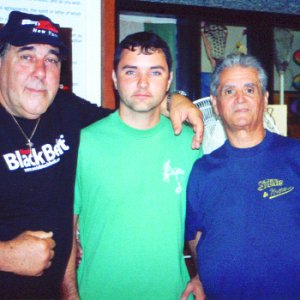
point(214, 38)
point(283, 39)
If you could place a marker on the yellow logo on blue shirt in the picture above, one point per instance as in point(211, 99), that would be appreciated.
point(273, 188)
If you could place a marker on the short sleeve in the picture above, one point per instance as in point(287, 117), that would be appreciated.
point(194, 212)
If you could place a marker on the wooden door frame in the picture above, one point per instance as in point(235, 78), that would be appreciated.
point(108, 42)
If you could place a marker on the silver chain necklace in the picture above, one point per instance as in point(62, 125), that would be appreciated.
point(28, 139)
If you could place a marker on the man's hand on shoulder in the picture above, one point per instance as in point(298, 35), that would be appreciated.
point(183, 110)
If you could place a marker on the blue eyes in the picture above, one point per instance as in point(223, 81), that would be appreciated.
point(129, 73)
point(134, 73)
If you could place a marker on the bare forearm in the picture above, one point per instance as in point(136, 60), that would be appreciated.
point(193, 245)
point(69, 289)
point(176, 101)
point(4, 257)
point(69, 286)
point(183, 110)
point(194, 286)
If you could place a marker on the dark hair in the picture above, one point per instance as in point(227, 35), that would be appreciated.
point(232, 60)
point(147, 41)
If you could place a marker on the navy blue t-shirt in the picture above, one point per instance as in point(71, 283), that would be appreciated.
point(246, 203)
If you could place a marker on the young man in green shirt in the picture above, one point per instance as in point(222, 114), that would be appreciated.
point(130, 189)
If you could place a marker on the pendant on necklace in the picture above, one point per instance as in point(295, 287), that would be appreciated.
point(30, 144)
point(28, 139)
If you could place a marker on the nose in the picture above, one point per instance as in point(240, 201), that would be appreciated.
point(239, 97)
point(143, 81)
point(39, 70)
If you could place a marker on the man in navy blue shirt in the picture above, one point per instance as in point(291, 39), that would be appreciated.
point(243, 200)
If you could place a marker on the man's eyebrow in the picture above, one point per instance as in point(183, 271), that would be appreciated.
point(226, 86)
point(151, 68)
point(129, 67)
point(25, 48)
point(55, 52)
point(250, 84)
point(158, 67)
point(51, 51)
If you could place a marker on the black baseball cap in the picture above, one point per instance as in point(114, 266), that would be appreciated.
point(23, 29)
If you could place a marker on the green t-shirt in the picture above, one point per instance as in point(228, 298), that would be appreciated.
point(130, 196)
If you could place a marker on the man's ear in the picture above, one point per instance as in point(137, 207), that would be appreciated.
point(114, 78)
point(213, 100)
point(266, 100)
point(170, 80)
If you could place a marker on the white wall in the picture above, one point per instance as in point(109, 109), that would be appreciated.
point(83, 16)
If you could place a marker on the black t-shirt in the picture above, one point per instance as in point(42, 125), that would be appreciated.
point(36, 191)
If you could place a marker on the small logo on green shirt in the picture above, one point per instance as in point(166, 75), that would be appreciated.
point(173, 172)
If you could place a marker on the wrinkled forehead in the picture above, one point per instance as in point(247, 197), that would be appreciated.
point(38, 49)
point(239, 76)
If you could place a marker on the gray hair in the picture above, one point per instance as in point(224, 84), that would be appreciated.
point(4, 48)
point(242, 60)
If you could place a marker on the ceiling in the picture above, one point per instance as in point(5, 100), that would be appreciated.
point(273, 6)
